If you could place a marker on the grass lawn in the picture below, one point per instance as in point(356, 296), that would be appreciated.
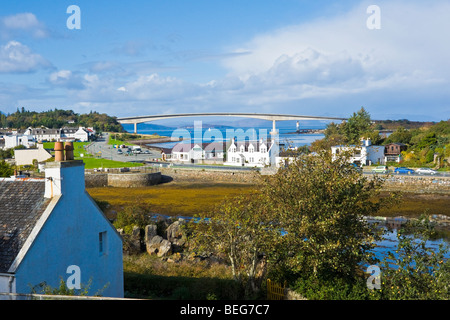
point(90, 162)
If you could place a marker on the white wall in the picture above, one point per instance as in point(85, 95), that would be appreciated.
point(5, 283)
point(26, 156)
point(70, 236)
point(16, 140)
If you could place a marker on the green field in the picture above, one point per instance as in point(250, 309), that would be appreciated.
point(89, 160)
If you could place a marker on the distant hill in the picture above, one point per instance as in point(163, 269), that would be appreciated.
point(407, 124)
point(22, 119)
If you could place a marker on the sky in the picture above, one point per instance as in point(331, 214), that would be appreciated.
point(146, 57)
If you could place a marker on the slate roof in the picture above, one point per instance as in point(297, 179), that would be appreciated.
point(256, 144)
point(207, 146)
point(21, 205)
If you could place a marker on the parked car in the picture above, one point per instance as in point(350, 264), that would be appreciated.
point(119, 151)
point(380, 169)
point(354, 165)
point(425, 171)
point(403, 170)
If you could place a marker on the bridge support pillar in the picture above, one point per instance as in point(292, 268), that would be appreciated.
point(135, 127)
point(274, 128)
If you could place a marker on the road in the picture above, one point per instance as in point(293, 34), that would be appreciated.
point(104, 150)
point(439, 174)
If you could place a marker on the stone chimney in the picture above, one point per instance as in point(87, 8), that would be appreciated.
point(64, 176)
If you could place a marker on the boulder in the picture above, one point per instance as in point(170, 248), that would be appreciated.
point(176, 235)
point(150, 232)
point(165, 249)
point(159, 246)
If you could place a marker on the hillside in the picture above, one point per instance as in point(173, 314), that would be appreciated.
point(22, 119)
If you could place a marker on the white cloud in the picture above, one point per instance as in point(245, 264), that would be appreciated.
point(339, 57)
point(22, 23)
point(18, 58)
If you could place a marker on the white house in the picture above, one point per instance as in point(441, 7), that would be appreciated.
point(12, 141)
point(51, 230)
point(26, 156)
point(80, 134)
point(364, 154)
point(193, 152)
point(249, 153)
point(45, 134)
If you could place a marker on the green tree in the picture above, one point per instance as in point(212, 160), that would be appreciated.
point(241, 230)
point(356, 125)
point(400, 135)
point(321, 204)
point(416, 270)
point(136, 215)
point(5, 169)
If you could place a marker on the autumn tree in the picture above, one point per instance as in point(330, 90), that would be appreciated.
point(321, 203)
point(241, 230)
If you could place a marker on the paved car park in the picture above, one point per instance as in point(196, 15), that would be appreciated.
point(102, 149)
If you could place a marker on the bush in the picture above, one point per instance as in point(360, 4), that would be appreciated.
point(179, 288)
point(336, 288)
point(135, 215)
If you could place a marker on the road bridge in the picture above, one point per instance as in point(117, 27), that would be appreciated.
point(264, 116)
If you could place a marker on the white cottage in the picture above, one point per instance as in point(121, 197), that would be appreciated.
point(363, 155)
point(193, 152)
point(12, 141)
point(52, 230)
point(27, 156)
point(256, 153)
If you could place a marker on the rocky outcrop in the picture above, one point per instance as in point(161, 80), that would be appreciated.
point(176, 235)
point(159, 246)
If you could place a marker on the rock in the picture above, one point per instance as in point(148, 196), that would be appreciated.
point(153, 245)
point(135, 232)
point(150, 232)
point(165, 248)
point(176, 235)
point(159, 246)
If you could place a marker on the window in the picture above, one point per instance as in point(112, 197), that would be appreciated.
point(263, 150)
point(102, 243)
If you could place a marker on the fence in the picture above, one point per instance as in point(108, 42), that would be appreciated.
point(275, 291)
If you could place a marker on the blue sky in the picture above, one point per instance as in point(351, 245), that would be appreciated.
point(286, 56)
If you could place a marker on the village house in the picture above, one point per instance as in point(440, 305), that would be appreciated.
point(52, 230)
point(256, 153)
point(286, 157)
point(195, 152)
point(65, 133)
point(363, 155)
point(27, 156)
point(15, 140)
point(393, 151)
